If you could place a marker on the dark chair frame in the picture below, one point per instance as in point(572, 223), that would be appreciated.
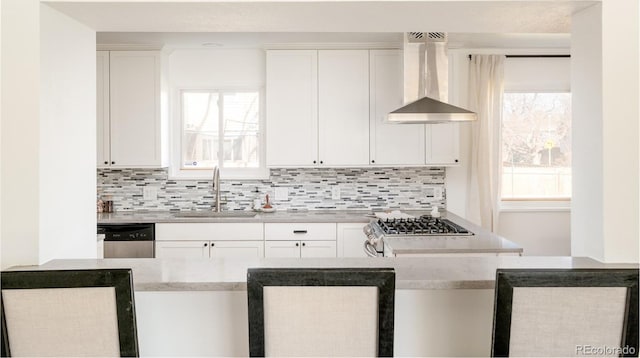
point(120, 279)
point(382, 278)
point(507, 279)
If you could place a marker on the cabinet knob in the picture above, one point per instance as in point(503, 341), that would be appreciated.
point(297, 244)
point(456, 160)
point(213, 244)
point(321, 162)
point(205, 244)
point(314, 162)
point(106, 162)
point(303, 244)
point(113, 162)
point(373, 161)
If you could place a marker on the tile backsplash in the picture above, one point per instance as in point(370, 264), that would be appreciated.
point(309, 188)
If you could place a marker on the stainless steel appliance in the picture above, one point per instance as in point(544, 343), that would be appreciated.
point(424, 226)
point(128, 240)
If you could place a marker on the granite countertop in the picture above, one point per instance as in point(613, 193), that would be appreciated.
point(230, 274)
point(293, 216)
point(482, 241)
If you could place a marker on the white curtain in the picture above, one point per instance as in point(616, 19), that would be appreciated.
point(486, 86)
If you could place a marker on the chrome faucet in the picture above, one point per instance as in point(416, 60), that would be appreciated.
point(216, 187)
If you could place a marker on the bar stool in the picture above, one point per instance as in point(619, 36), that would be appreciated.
point(568, 312)
point(321, 312)
point(68, 313)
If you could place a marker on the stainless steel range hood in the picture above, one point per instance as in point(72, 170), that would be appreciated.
point(426, 78)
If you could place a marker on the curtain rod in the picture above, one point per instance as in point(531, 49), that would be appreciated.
point(535, 56)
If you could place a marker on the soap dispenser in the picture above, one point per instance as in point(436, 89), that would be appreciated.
point(257, 202)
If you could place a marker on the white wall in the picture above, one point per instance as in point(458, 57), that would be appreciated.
point(540, 233)
point(67, 137)
point(229, 68)
point(20, 131)
point(605, 54)
point(48, 135)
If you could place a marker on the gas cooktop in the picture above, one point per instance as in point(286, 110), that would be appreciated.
point(423, 226)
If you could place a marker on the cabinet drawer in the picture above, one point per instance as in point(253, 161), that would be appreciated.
point(209, 231)
point(300, 231)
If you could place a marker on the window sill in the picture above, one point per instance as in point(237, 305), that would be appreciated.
point(225, 174)
point(535, 205)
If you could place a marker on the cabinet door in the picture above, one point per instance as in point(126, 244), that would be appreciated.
point(343, 110)
point(442, 143)
point(391, 144)
point(237, 249)
point(292, 108)
point(351, 240)
point(135, 108)
point(318, 249)
point(102, 109)
point(182, 249)
point(282, 249)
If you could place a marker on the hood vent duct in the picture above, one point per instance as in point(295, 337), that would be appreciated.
point(426, 79)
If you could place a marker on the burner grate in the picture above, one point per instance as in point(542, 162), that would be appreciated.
point(424, 225)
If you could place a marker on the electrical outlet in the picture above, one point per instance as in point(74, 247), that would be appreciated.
point(432, 193)
point(335, 192)
point(437, 193)
point(282, 194)
point(150, 193)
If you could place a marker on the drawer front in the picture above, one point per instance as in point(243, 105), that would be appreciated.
point(300, 231)
point(209, 231)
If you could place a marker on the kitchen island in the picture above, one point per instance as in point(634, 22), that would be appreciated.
point(198, 307)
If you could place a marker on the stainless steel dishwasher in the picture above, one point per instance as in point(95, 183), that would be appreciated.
point(128, 240)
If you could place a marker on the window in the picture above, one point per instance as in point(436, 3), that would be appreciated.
point(220, 128)
point(536, 145)
point(536, 133)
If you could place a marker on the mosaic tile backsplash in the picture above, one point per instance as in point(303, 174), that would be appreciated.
point(310, 189)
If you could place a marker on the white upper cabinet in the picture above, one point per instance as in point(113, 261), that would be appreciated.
point(343, 93)
point(443, 143)
point(292, 108)
point(329, 108)
point(391, 144)
point(136, 129)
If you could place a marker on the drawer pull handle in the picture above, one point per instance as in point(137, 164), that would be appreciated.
point(299, 231)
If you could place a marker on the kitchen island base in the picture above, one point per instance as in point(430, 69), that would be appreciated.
point(215, 323)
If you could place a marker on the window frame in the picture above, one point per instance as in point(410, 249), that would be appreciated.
point(533, 203)
point(176, 137)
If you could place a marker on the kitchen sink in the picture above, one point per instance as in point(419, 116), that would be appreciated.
point(213, 214)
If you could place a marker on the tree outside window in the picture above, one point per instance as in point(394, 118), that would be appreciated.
point(536, 146)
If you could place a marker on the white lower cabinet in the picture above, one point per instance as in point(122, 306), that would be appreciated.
point(215, 240)
point(236, 249)
point(282, 249)
point(182, 249)
point(212, 249)
point(294, 249)
point(323, 248)
point(351, 240)
point(300, 240)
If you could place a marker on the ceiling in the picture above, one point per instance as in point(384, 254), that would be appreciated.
point(313, 16)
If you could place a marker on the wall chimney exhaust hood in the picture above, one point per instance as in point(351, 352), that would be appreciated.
point(426, 79)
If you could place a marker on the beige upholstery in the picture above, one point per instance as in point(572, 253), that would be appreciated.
point(62, 322)
point(320, 321)
point(554, 321)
